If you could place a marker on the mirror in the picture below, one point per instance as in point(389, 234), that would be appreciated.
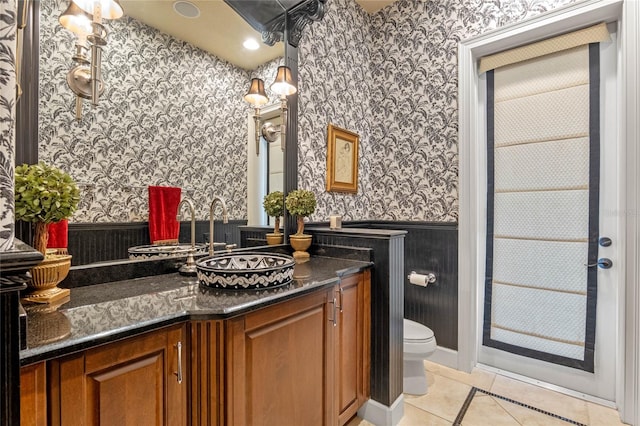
point(170, 115)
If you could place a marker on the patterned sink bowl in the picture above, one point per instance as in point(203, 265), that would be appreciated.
point(245, 270)
point(170, 250)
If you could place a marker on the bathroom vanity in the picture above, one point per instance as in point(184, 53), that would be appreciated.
point(165, 350)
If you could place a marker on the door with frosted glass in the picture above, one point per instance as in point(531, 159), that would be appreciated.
point(550, 272)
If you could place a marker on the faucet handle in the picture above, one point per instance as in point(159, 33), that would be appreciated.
point(230, 247)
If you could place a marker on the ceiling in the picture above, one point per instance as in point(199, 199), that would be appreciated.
point(218, 30)
point(373, 6)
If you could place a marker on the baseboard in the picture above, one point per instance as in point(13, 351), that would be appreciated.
point(381, 415)
point(445, 356)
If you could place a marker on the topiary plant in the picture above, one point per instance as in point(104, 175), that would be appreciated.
point(43, 195)
point(273, 204)
point(301, 203)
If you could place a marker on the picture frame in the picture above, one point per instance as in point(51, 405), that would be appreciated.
point(342, 160)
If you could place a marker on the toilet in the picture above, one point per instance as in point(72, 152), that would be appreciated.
point(419, 343)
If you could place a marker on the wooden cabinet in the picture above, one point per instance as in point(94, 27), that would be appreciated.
point(352, 353)
point(280, 363)
point(33, 395)
point(207, 373)
point(303, 361)
point(138, 381)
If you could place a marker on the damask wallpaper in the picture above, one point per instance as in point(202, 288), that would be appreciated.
point(334, 79)
point(393, 78)
point(171, 115)
point(7, 119)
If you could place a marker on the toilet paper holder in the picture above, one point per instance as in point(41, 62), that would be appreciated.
point(422, 279)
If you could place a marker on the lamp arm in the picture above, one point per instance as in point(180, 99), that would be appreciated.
point(256, 119)
point(283, 126)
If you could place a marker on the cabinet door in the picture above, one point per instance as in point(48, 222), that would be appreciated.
point(33, 395)
point(138, 381)
point(280, 363)
point(352, 345)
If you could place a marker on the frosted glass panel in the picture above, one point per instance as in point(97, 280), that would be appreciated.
point(548, 116)
point(545, 74)
point(553, 215)
point(544, 264)
point(562, 164)
point(544, 313)
point(548, 346)
point(538, 212)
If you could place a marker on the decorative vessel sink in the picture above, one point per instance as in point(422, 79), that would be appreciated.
point(245, 270)
point(168, 250)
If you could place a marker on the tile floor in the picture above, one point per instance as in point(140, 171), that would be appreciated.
point(449, 388)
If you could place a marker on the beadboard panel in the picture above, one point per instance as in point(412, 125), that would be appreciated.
point(429, 247)
point(98, 242)
point(387, 307)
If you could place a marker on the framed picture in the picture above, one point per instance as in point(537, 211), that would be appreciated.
point(342, 160)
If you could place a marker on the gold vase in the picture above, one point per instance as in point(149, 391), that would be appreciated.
point(300, 244)
point(274, 239)
point(45, 277)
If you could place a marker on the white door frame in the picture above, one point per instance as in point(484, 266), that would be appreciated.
point(472, 211)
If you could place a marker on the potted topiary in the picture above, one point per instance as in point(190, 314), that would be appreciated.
point(44, 195)
point(273, 204)
point(301, 203)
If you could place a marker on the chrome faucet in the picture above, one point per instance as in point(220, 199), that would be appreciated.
point(189, 268)
point(225, 219)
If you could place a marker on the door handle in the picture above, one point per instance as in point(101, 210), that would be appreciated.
point(603, 263)
point(179, 372)
point(334, 320)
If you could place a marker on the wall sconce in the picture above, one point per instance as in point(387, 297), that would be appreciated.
point(269, 131)
point(256, 98)
point(84, 18)
point(283, 86)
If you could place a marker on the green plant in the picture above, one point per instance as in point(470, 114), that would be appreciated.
point(301, 203)
point(43, 195)
point(273, 204)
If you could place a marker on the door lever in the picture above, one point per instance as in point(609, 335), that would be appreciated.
point(603, 263)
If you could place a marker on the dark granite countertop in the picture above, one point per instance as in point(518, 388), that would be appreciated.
point(102, 313)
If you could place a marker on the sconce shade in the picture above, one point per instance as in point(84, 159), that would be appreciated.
point(283, 84)
point(76, 20)
point(111, 9)
point(256, 95)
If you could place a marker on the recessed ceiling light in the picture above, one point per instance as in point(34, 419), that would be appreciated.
point(251, 44)
point(186, 9)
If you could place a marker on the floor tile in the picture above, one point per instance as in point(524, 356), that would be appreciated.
point(603, 416)
point(479, 378)
point(416, 417)
point(444, 397)
point(484, 410)
point(357, 421)
point(528, 417)
point(544, 399)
